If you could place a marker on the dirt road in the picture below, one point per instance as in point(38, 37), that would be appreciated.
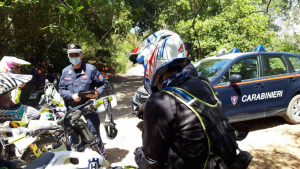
point(274, 143)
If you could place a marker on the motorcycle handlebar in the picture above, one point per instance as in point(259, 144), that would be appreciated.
point(33, 132)
point(99, 102)
point(93, 105)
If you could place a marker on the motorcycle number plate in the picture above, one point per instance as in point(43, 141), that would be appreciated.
point(33, 96)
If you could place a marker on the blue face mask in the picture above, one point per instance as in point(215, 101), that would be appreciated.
point(75, 61)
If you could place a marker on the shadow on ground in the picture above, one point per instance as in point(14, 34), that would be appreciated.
point(118, 154)
point(265, 123)
point(274, 159)
point(273, 143)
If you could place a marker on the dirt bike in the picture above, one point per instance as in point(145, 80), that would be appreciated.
point(51, 104)
point(15, 143)
point(52, 107)
point(85, 153)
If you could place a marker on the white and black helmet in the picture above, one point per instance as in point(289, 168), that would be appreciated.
point(8, 82)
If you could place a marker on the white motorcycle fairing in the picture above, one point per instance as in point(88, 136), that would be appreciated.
point(68, 159)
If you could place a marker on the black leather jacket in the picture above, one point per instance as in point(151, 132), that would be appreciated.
point(170, 124)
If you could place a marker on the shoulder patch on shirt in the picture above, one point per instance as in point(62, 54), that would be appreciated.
point(101, 77)
point(68, 78)
point(84, 77)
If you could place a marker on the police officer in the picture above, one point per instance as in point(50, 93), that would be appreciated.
point(82, 76)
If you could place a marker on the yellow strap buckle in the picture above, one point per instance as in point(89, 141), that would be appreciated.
point(35, 150)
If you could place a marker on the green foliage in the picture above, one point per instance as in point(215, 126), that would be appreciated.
point(122, 63)
point(32, 29)
point(216, 24)
point(113, 55)
point(286, 44)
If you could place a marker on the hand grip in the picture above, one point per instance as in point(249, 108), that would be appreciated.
point(99, 102)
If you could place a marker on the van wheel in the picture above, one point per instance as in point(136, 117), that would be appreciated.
point(293, 111)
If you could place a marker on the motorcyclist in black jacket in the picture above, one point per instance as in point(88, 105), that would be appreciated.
point(40, 74)
point(172, 134)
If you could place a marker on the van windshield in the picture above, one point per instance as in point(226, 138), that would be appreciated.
point(210, 67)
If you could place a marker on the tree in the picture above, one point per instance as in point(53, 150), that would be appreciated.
point(32, 29)
point(215, 24)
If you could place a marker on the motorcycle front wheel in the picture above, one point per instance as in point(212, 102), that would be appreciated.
point(43, 144)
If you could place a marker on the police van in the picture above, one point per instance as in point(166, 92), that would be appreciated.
point(255, 84)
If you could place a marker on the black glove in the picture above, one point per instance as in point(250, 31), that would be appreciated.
point(132, 58)
point(137, 150)
point(140, 112)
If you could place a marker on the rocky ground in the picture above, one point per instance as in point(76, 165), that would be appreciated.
point(273, 142)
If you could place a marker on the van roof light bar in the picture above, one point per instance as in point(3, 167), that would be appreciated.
point(235, 50)
point(259, 48)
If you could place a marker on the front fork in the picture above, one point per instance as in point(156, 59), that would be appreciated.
point(90, 139)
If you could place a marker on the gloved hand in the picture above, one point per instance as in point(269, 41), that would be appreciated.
point(137, 150)
point(140, 112)
point(132, 58)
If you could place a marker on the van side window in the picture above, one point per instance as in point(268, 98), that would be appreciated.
point(295, 61)
point(274, 65)
point(248, 68)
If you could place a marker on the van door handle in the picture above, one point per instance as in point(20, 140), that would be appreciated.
point(292, 79)
point(259, 85)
